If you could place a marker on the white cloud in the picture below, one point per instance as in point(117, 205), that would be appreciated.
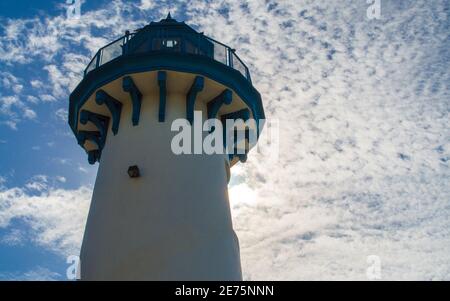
point(55, 217)
point(61, 179)
point(63, 161)
point(241, 198)
point(7, 102)
point(12, 124)
point(32, 99)
point(147, 4)
point(62, 114)
point(17, 89)
point(14, 238)
point(37, 274)
point(38, 183)
point(12, 109)
point(358, 172)
point(10, 81)
point(59, 81)
point(82, 169)
point(48, 97)
point(37, 84)
point(72, 43)
point(29, 113)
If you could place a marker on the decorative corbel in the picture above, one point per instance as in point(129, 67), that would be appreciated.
point(129, 86)
point(100, 121)
point(162, 78)
point(93, 136)
point(243, 114)
point(196, 87)
point(114, 106)
point(94, 156)
point(214, 105)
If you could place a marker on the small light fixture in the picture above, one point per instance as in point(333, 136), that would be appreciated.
point(133, 171)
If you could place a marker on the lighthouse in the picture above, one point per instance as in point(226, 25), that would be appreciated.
point(157, 213)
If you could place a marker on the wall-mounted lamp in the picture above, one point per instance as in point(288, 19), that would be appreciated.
point(133, 171)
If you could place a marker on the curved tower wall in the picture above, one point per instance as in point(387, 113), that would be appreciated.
point(171, 223)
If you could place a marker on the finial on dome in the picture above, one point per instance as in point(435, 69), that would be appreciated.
point(168, 19)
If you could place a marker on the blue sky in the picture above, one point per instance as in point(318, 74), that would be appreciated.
point(36, 145)
point(363, 107)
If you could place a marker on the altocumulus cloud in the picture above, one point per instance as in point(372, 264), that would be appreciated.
point(364, 136)
point(55, 218)
point(37, 274)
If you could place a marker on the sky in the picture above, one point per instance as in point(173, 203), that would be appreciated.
point(363, 108)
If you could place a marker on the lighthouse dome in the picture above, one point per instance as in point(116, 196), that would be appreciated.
point(170, 35)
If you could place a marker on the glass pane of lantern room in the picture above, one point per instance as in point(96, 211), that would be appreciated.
point(220, 53)
point(111, 52)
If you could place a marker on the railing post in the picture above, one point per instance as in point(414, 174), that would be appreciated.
point(97, 60)
point(125, 45)
point(230, 56)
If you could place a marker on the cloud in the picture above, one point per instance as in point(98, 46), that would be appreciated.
point(82, 169)
point(37, 274)
point(147, 4)
point(36, 84)
point(62, 114)
point(38, 183)
point(48, 97)
point(14, 238)
point(9, 81)
point(45, 40)
point(55, 217)
point(32, 99)
point(12, 124)
point(61, 179)
point(29, 114)
point(59, 82)
point(7, 103)
point(359, 172)
point(13, 110)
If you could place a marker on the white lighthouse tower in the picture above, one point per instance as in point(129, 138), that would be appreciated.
point(156, 214)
